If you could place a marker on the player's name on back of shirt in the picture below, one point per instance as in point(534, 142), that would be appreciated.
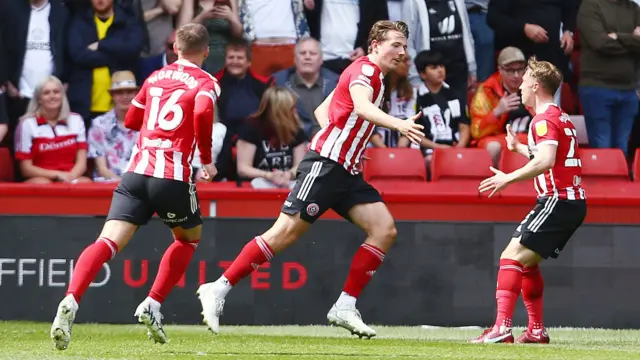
point(169, 74)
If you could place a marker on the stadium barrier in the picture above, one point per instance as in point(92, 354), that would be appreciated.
point(437, 273)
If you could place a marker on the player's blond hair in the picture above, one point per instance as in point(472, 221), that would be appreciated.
point(34, 109)
point(545, 73)
point(276, 115)
point(192, 38)
point(381, 29)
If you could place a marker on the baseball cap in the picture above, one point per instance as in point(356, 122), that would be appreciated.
point(510, 55)
point(123, 80)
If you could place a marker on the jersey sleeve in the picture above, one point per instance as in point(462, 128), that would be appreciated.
point(81, 131)
point(545, 131)
point(140, 99)
point(364, 74)
point(24, 140)
point(203, 118)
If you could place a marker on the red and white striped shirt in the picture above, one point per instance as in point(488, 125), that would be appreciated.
point(170, 129)
point(51, 147)
point(346, 136)
point(563, 180)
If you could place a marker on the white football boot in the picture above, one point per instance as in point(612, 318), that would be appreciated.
point(61, 327)
point(148, 313)
point(350, 319)
point(211, 297)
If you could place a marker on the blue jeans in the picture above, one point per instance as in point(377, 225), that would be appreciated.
point(483, 42)
point(609, 115)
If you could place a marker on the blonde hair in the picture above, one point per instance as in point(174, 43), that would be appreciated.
point(275, 115)
point(381, 29)
point(544, 72)
point(35, 110)
point(192, 38)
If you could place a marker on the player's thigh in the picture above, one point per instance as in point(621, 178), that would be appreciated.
point(176, 203)
point(188, 235)
point(129, 209)
point(320, 183)
point(548, 227)
point(285, 231)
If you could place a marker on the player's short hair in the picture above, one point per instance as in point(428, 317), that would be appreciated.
point(544, 72)
point(381, 29)
point(239, 44)
point(428, 58)
point(192, 38)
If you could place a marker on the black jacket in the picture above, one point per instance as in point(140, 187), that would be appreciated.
point(371, 11)
point(508, 17)
point(14, 26)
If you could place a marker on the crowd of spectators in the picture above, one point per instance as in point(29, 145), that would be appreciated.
point(69, 69)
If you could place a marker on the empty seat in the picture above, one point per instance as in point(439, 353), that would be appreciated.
point(460, 164)
point(6, 166)
point(394, 164)
point(604, 165)
point(510, 161)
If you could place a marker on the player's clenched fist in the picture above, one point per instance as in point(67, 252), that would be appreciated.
point(410, 129)
point(209, 172)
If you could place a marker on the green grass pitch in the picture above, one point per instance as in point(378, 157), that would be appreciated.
point(20, 340)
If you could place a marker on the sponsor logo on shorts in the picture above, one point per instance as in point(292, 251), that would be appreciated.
point(173, 220)
point(313, 209)
point(171, 215)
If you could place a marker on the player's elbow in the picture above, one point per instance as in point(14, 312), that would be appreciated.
point(546, 163)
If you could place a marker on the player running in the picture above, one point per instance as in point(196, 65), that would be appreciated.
point(173, 109)
point(561, 207)
point(328, 178)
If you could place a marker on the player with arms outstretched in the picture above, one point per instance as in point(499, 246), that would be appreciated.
point(172, 111)
point(328, 178)
point(561, 206)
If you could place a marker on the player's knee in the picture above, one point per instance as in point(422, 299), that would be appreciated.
point(385, 232)
point(516, 252)
point(190, 242)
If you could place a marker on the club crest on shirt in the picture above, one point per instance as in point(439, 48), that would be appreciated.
point(541, 128)
point(367, 70)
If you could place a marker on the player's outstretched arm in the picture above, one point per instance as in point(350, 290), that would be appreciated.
point(364, 108)
point(322, 111)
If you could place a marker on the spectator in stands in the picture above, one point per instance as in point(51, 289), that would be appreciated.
point(272, 142)
point(343, 28)
point(273, 27)
point(243, 88)
point(497, 103)
point(394, 8)
point(400, 102)
point(443, 26)
point(610, 38)
point(482, 37)
point(4, 119)
point(110, 142)
point(153, 63)
point(535, 27)
point(34, 47)
point(309, 80)
point(158, 17)
point(221, 154)
point(222, 20)
point(443, 116)
point(102, 40)
point(51, 141)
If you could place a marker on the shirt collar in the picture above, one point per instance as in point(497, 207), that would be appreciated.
point(42, 121)
point(183, 62)
point(545, 106)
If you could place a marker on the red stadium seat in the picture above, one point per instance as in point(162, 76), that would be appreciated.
point(394, 164)
point(460, 163)
point(636, 166)
point(604, 165)
point(510, 161)
point(6, 166)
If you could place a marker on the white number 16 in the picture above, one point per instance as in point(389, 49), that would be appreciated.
point(158, 116)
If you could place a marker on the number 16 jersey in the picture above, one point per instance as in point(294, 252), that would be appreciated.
point(563, 180)
point(168, 133)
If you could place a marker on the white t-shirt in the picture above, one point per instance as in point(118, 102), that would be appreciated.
point(339, 28)
point(272, 18)
point(218, 134)
point(38, 59)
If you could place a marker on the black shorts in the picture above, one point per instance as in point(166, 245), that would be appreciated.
point(323, 184)
point(138, 197)
point(549, 226)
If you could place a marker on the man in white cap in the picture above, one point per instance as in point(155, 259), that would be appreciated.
point(110, 142)
point(497, 103)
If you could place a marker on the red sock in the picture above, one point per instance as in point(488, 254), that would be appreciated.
point(532, 289)
point(364, 264)
point(509, 285)
point(173, 265)
point(254, 254)
point(89, 264)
